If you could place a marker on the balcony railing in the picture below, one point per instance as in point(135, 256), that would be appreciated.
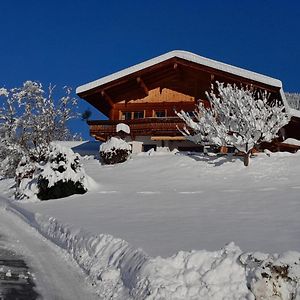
point(146, 126)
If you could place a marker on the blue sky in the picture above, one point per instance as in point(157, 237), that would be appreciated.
point(71, 42)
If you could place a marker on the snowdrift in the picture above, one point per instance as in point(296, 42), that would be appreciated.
point(119, 271)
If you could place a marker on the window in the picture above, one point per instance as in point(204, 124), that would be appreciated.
point(138, 115)
point(147, 147)
point(126, 115)
point(160, 114)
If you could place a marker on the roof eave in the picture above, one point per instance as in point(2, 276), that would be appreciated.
point(186, 56)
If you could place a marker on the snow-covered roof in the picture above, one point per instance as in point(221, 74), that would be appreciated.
point(186, 56)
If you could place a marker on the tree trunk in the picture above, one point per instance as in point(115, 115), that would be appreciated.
point(247, 158)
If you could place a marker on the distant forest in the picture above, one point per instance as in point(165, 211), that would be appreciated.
point(293, 99)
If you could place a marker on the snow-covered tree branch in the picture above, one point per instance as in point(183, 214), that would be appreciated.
point(30, 119)
point(240, 117)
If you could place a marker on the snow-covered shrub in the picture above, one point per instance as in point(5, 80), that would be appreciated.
point(273, 276)
point(114, 151)
point(59, 175)
point(25, 170)
point(30, 119)
point(239, 117)
point(9, 161)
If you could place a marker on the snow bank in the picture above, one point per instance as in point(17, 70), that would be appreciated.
point(119, 271)
point(273, 276)
point(160, 151)
point(83, 148)
point(196, 275)
point(111, 264)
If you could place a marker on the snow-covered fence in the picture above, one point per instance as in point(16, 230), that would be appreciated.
point(293, 100)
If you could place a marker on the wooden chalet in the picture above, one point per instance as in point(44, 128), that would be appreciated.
point(145, 97)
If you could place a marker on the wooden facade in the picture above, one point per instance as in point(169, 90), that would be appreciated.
point(146, 96)
point(156, 128)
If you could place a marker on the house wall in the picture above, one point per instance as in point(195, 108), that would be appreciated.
point(159, 95)
point(150, 109)
point(291, 130)
point(166, 100)
point(141, 142)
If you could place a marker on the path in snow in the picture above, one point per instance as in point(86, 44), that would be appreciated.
point(16, 280)
point(56, 276)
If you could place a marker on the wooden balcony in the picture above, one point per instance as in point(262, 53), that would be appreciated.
point(154, 127)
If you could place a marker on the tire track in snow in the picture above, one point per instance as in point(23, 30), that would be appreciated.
point(148, 192)
point(232, 191)
point(190, 192)
point(295, 187)
point(267, 189)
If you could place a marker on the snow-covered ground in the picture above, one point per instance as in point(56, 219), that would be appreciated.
point(45, 259)
point(167, 203)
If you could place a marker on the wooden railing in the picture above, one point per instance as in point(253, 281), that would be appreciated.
point(146, 126)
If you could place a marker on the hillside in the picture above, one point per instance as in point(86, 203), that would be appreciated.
point(156, 205)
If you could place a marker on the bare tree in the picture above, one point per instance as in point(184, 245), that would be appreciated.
point(30, 119)
point(240, 117)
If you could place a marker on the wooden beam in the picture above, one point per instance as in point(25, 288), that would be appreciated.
point(168, 138)
point(99, 138)
point(179, 72)
point(142, 84)
point(150, 77)
point(227, 75)
point(107, 98)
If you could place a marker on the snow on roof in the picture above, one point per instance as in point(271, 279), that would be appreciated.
point(186, 56)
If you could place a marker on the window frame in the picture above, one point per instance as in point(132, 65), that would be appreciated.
point(160, 111)
point(138, 112)
point(126, 113)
